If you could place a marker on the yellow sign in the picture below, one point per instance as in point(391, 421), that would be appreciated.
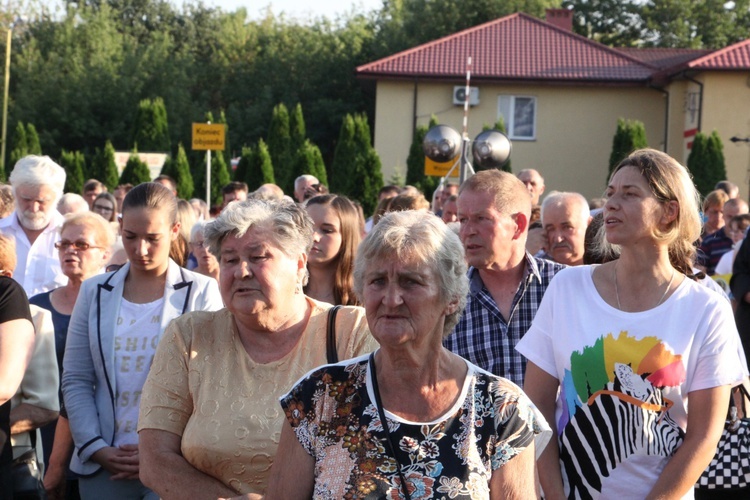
point(207, 136)
point(440, 169)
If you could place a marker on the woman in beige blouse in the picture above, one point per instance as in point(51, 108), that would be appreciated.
point(210, 421)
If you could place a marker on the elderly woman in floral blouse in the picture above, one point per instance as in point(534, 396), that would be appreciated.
point(453, 429)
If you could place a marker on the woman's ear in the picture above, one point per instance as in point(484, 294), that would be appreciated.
point(175, 230)
point(670, 213)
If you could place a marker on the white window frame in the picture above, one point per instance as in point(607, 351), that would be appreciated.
point(510, 120)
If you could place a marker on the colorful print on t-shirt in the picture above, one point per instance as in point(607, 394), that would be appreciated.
point(614, 407)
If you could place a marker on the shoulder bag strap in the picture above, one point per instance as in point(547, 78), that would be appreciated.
point(331, 354)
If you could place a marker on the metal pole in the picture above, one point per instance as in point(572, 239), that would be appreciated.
point(464, 171)
point(208, 176)
point(5, 99)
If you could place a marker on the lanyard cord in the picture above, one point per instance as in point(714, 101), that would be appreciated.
point(383, 421)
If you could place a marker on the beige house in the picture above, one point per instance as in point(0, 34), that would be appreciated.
point(560, 95)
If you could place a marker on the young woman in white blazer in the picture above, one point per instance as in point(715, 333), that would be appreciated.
point(116, 324)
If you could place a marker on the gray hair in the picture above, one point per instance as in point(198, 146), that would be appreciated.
point(422, 236)
point(198, 228)
point(72, 202)
point(38, 171)
point(305, 177)
point(291, 226)
point(561, 198)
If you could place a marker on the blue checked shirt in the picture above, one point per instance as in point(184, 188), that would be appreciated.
point(487, 339)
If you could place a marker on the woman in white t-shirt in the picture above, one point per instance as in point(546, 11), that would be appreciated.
point(115, 326)
point(627, 343)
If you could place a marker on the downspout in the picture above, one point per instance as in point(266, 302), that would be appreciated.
point(666, 117)
point(700, 98)
point(414, 112)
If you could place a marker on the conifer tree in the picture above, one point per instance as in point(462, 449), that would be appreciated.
point(219, 177)
point(33, 146)
point(297, 131)
point(715, 150)
point(280, 148)
point(310, 161)
point(178, 169)
point(151, 130)
point(706, 161)
point(20, 145)
point(262, 171)
point(344, 158)
point(103, 167)
point(630, 135)
point(367, 177)
point(75, 165)
point(136, 171)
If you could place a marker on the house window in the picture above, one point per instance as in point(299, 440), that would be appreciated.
point(519, 114)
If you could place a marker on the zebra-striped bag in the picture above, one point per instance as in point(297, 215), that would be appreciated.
point(730, 467)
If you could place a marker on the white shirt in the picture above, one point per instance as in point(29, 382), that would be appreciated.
point(38, 268)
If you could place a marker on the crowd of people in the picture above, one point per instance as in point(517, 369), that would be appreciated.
point(499, 341)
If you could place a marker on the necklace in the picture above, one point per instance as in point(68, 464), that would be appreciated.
point(617, 290)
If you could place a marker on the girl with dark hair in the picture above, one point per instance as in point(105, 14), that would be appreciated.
point(337, 235)
point(115, 326)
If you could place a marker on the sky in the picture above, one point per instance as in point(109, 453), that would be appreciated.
point(298, 8)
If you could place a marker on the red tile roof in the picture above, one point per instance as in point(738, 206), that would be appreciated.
point(664, 58)
point(516, 47)
point(734, 57)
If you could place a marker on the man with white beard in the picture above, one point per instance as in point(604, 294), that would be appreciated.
point(38, 184)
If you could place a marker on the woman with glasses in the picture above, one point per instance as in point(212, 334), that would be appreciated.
point(207, 263)
point(116, 324)
point(105, 205)
point(83, 249)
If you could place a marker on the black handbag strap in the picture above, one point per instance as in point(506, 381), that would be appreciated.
point(384, 422)
point(745, 399)
point(331, 355)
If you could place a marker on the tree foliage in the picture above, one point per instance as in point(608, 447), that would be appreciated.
point(308, 160)
point(151, 130)
point(135, 171)
point(103, 167)
point(630, 135)
point(280, 148)
point(255, 168)
point(178, 168)
point(706, 161)
point(25, 142)
point(75, 165)
point(80, 75)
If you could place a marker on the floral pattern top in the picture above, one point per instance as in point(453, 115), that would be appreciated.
point(334, 417)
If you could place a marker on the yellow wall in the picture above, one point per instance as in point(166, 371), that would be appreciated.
point(574, 126)
point(726, 109)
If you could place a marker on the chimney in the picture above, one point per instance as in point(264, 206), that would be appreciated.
point(562, 18)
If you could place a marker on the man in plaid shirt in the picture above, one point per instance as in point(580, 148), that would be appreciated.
point(506, 282)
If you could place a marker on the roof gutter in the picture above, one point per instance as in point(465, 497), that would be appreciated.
point(700, 97)
point(414, 110)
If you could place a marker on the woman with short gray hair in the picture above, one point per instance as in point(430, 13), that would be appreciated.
point(210, 419)
point(411, 420)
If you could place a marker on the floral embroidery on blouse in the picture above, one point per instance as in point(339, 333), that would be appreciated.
point(338, 425)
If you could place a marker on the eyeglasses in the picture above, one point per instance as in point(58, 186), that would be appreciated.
point(79, 245)
point(102, 208)
point(199, 244)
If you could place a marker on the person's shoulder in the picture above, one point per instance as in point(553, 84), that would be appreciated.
point(495, 384)
point(201, 280)
point(354, 368)
point(547, 267)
